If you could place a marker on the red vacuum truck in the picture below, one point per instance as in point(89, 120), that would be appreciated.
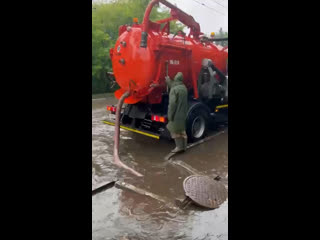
point(144, 54)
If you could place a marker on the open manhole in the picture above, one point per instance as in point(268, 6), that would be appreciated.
point(205, 191)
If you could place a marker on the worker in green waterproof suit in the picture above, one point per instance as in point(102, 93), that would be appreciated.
point(177, 112)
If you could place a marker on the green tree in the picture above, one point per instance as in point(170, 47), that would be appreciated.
point(101, 42)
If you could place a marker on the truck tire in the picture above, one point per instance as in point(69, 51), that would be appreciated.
point(197, 122)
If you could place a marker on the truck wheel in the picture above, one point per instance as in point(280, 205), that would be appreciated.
point(197, 124)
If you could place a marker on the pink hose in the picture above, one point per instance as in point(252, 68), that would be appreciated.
point(117, 160)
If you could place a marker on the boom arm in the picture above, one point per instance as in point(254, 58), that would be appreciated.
point(176, 13)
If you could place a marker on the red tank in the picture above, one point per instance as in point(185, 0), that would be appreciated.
point(144, 51)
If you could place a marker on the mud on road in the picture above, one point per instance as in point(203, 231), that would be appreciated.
point(121, 214)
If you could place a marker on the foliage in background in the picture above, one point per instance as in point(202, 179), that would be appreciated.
point(106, 19)
point(101, 42)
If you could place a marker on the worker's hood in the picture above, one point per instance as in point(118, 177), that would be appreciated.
point(178, 79)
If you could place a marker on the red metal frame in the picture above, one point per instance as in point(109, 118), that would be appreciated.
point(176, 14)
point(141, 68)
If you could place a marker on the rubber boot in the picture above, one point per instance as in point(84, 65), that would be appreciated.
point(179, 145)
point(185, 143)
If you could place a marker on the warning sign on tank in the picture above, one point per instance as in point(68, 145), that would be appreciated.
point(174, 62)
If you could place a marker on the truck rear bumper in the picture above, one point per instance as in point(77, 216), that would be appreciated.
point(142, 132)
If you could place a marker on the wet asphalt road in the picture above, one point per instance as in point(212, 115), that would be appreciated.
point(120, 214)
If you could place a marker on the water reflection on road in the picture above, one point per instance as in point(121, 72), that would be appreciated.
point(120, 214)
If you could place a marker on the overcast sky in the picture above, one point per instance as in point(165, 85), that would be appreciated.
point(209, 20)
point(211, 17)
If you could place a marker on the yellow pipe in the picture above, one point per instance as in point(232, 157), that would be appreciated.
point(134, 130)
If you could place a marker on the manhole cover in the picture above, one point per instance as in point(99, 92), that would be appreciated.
point(205, 191)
